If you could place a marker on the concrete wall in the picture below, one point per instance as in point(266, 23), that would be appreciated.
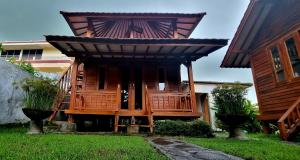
point(207, 88)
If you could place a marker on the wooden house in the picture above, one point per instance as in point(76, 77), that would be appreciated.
point(127, 67)
point(268, 42)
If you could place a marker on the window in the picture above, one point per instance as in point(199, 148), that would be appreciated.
point(33, 54)
point(277, 63)
point(161, 79)
point(101, 77)
point(293, 55)
point(10, 53)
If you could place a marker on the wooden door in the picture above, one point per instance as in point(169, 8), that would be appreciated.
point(135, 87)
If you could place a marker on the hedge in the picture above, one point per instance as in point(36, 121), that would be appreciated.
point(195, 128)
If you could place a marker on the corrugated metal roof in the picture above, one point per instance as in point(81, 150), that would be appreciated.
point(177, 49)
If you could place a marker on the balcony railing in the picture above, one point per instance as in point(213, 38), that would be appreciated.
point(169, 101)
point(109, 100)
point(102, 100)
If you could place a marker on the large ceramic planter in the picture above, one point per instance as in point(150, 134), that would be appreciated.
point(234, 123)
point(36, 116)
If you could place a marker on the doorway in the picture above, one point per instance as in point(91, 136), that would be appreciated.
point(138, 89)
point(125, 74)
point(131, 88)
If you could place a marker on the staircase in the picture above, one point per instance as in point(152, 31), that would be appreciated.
point(62, 99)
point(289, 123)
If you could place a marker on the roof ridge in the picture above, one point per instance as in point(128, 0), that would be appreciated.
point(131, 13)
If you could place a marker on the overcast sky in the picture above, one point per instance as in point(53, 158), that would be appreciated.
point(31, 19)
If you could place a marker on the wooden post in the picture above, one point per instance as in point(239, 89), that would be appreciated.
point(175, 32)
point(118, 97)
point(266, 128)
point(206, 110)
point(73, 84)
point(116, 125)
point(89, 29)
point(191, 85)
point(282, 131)
point(131, 29)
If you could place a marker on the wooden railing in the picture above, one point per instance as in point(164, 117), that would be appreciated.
point(290, 120)
point(100, 100)
point(169, 102)
point(64, 85)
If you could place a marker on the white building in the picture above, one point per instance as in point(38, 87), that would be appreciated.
point(204, 99)
point(42, 55)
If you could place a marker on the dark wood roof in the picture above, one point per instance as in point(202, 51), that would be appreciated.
point(143, 25)
point(177, 49)
point(264, 21)
point(257, 13)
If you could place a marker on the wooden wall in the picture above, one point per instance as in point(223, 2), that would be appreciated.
point(149, 76)
point(283, 16)
point(273, 97)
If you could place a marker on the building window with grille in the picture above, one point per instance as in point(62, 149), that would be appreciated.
point(32, 54)
point(293, 56)
point(277, 63)
point(10, 53)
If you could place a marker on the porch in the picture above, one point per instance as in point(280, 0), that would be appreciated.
point(108, 102)
point(131, 77)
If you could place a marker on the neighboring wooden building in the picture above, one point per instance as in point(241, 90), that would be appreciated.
point(268, 41)
point(127, 67)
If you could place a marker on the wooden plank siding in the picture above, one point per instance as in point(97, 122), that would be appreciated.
point(172, 100)
point(273, 97)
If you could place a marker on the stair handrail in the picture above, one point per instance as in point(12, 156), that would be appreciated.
point(63, 89)
point(281, 122)
point(64, 73)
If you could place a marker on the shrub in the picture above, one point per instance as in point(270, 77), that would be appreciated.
point(195, 128)
point(230, 108)
point(23, 65)
point(39, 92)
point(229, 99)
point(253, 125)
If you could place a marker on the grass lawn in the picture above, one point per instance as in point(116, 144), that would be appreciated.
point(260, 147)
point(15, 144)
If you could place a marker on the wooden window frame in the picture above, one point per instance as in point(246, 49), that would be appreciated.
point(284, 56)
point(269, 50)
point(295, 36)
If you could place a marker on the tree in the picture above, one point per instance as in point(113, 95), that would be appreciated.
point(230, 108)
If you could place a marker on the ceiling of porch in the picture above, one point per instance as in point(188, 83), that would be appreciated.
point(168, 49)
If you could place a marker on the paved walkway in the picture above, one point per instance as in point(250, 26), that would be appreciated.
point(179, 150)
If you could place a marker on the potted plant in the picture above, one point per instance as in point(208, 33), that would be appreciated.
point(230, 108)
point(40, 93)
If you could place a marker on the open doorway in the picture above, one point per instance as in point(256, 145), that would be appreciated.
point(125, 74)
point(138, 89)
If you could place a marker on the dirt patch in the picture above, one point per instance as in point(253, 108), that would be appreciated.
point(161, 141)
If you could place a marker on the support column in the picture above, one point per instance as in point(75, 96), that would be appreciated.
point(74, 83)
point(89, 29)
point(175, 32)
point(116, 124)
point(266, 127)
point(191, 85)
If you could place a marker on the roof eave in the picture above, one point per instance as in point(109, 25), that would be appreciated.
point(237, 33)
